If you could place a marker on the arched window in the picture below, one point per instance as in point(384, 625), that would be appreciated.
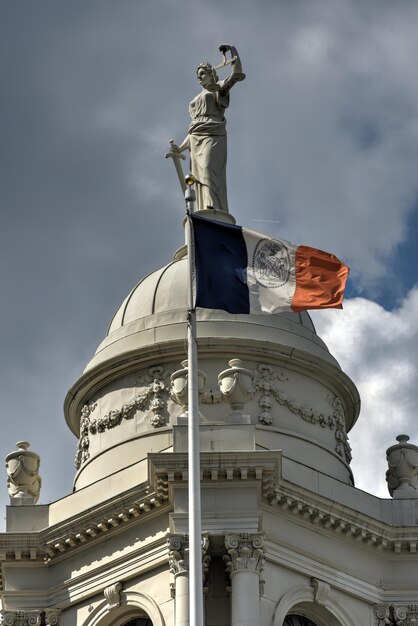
point(139, 621)
point(297, 620)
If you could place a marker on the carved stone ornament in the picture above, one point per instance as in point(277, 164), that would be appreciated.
point(396, 615)
point(382, 614)
point(402, 475)
point(206, 558)
point(52, 617)
point(236, 385)
point(321, 591)
point(21, 618)
point(23, 480)
point(245, 551)
point(178, 554)
point(113, 595)
point(153, 397)
point(405, 615)
point(266, 381)
point(179, 386)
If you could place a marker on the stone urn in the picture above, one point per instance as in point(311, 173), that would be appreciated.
point(23, 480)
point(180, 387)
point(236, 385)
point(402, 475)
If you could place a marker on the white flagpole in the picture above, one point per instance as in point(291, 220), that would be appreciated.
point(195, 524)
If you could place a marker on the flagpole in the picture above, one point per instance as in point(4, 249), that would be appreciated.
point(195, 524)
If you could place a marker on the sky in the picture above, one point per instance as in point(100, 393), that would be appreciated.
point(322, 150)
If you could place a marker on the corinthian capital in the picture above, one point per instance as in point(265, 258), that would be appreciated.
point(245, 552)
point(178, 553)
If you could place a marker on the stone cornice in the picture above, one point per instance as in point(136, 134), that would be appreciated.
point(93, 525)
point(335, 517)
point(263, 466)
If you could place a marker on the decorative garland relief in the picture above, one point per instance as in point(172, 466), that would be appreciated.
point(161, 385)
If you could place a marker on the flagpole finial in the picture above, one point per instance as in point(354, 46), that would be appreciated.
point(190, 194)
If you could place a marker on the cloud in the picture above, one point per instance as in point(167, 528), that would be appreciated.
point(323, 138)
point(378, 349)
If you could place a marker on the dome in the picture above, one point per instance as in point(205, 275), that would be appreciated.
point(156, 309)
point(122, 407)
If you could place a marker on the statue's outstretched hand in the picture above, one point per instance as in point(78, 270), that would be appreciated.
point(174, 151)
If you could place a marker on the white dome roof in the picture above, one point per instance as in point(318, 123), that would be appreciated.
point(155, 312)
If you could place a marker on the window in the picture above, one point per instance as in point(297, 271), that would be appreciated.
point(297, 620)
point(139, 621)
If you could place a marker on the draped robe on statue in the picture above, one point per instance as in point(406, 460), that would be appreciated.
point(207, 135)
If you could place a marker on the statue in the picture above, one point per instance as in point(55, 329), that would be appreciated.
point(206, 139)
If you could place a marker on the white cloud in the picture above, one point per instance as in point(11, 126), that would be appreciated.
point(378, 349)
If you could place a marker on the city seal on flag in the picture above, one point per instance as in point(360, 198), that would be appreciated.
point(271, 263)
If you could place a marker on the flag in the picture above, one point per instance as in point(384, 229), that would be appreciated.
point(243, 271)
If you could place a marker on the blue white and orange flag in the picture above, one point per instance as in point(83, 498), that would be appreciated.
point(243, 271)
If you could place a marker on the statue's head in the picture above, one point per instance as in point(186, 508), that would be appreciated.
point(206, 74)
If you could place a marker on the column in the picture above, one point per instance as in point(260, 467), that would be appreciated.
point(244, 562)
point(178, 555)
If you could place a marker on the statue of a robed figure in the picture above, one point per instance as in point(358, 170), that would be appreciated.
point(206, 138)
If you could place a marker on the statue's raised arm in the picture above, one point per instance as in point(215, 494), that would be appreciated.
point(206, 139)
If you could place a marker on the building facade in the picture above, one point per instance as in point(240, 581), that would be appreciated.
point(287, 538)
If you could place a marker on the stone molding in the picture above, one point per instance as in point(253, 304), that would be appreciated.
point(335, 518)
point(113, 595)
point(142, 601)
point(58, 541)
point(258, 465)
point(396, 614)
point(244, 552)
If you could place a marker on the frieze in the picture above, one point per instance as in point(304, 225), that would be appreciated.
point(266, 381)
point(154, 398)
